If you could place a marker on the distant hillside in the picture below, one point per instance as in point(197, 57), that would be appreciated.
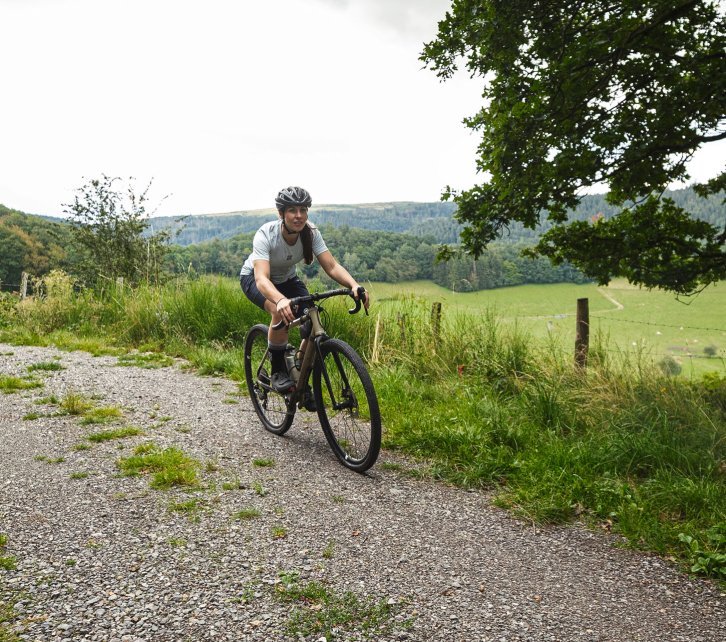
point(387, 217)
point(418, 219)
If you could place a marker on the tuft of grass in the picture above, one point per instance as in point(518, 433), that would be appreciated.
point(246, 513)
point(32, 416)
point(320, 611)
point(9, 384)
point(279, 532)
point(46, 366)
point(191, 508)
point(263, 463)
point(118, 433)
point(169, 467)
point(329, 550)
point(7, 562)
point(259, 489)
point(145, 360)
point(74, 403)
point(79, 475)
point(235, 484)
point(102, 415)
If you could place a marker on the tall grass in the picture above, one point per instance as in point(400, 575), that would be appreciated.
point(477, 403)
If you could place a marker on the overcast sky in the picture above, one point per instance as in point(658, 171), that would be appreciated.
point(223, 102)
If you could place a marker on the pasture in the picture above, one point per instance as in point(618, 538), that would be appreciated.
point(626, 320)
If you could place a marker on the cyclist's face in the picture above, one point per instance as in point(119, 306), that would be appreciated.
point(295, 217)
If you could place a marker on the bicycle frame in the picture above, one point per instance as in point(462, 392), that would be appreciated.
point(317, 335)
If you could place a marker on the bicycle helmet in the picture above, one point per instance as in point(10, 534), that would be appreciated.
point(293, 196)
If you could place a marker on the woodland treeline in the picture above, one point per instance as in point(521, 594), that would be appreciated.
point(418, 219)
point(387, 242)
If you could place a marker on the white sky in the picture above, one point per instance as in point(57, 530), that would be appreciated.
point(223, 102)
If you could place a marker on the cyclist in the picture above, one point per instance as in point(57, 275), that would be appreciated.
point(268, 276)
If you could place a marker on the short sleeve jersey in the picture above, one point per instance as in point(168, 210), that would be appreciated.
point(269, 245)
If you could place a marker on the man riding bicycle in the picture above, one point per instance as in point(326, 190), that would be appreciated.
point(268, 276)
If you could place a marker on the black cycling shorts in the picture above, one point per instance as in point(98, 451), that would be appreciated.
point(291, 288)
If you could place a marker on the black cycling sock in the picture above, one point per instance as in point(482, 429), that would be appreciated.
point(277, 357)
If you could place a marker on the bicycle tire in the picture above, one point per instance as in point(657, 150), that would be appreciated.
point(353, 431)
point(271, 407)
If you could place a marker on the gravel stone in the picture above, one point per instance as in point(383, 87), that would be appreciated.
point(103, 557)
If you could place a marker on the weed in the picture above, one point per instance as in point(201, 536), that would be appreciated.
point(46, 366)
point(177, 542)
point(74, 403)
point(52, 400)
point(191, 508)
point(279, 532)
point(145, 360)
point(32, 416)
point(246, 513)
point(9, 385)
point(101, 415)
point(118, 433)
point(80, 475)
point(329, 549)
point(263, 463)
point(321, 611)
point(259, 489)
point(235, 484)
point(71, 562)
point(170, 467)
point(211, 466)
point(7, 615)
point(81, 447)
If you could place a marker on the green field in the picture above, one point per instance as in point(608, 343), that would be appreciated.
point(653, 324)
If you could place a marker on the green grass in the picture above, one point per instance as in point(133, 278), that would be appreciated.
point(46, 366)
point(493, 401)
point(74, 403)
point(168, 467)
point(10, 384)
point(317, 610)
point(101, 415)
point(263, 463)
point(146, 360)
point(246, 514)
point(7, 562)
point(117, 433)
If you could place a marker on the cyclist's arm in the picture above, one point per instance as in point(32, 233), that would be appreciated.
point(277, 301)
point(339, 274)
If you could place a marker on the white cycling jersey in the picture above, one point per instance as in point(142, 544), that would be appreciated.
point(269, 245)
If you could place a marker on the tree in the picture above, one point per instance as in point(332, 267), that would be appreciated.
point(110, 225)
point(593, 93)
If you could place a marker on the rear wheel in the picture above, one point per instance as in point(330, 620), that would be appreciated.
point(271, 407)
point(347, 405)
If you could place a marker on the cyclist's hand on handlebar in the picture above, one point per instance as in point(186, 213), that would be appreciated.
point(284, 310)
point(357, 291)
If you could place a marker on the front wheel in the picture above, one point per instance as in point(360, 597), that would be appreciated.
point(347, 405)
point(271, 407)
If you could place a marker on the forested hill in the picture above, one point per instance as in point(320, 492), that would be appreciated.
point(409, 217)
point(418, 219)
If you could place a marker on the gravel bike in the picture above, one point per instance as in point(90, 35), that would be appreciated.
point(342, 390)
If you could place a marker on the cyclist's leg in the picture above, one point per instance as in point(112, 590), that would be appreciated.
point(276, 339)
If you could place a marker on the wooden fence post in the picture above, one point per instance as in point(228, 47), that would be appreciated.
point(582, 333)
point(436, 321)
point(24, 285)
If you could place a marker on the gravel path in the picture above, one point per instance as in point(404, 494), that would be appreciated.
point(103, 557)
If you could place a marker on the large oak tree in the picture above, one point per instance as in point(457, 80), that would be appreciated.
point(587, 93)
